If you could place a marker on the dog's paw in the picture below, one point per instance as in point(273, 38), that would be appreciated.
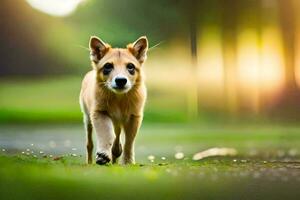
point(102, 158)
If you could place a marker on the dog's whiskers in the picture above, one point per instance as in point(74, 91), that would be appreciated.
point(83, 47)
point(156, 45)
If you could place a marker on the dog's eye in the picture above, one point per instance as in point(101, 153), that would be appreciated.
point(131, 68)
point(107, 68)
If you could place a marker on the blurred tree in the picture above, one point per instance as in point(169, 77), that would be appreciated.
point(190, 14)
point(121, 21)
point(251, 20)
point(229, 23)
point(288, 104)
point(21, 50)
point(288, 27)
point(258, 12)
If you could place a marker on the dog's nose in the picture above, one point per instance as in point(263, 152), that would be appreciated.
point(121, 82)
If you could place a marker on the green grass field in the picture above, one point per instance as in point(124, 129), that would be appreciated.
point(266, 166)
point(52, 100)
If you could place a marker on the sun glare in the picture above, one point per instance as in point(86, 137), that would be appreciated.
point(260, 65)
point(210, 70)
point(60, 8)
point(248, 58)
point(272, 70)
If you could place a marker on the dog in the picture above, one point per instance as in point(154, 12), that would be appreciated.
point(112, 99)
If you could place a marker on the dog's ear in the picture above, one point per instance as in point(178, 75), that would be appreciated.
point(98, 49)
point(139, 48)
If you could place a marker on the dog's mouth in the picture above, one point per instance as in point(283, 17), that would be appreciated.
point(120, 90)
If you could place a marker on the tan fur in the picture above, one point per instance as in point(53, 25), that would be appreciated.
point(107, 111)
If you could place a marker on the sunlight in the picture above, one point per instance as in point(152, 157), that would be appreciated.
point(263, 68)
point(55, 7)
point(248, 58)
point(249, 68)
point(272, 70)
point(260, 65)
point(210, 69)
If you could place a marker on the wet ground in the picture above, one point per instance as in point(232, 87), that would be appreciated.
point(273, 143)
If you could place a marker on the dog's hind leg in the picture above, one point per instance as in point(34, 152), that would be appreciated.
point(131, 129)
point(88, 130)
point(89, 140)
point(117, 147)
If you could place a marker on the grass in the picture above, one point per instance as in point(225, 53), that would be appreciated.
point(28, 178)
point(55, 100)
point(267, 174)
point(52, 100)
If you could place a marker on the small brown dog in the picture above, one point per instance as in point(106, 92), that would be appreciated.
point(112, 98)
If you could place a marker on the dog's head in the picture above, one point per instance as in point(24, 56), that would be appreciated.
point(118, 69)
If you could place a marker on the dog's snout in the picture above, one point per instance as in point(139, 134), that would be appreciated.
point(121, 82)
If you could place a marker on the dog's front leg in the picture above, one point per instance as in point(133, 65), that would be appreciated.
point(105, 136)
point(131, 129)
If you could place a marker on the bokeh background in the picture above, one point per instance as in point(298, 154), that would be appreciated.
point(223, 79)
point(212, 61)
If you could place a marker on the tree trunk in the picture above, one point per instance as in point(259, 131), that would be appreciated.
point(229, 45)
point(287, 106)
point(193, 93)
point(288, 27)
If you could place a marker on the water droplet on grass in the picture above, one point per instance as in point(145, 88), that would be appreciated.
point(151, 157)
point(163, 158)
point(74, 149)
point(179, 155)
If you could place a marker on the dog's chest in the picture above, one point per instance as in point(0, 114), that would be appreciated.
point(119, 112)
